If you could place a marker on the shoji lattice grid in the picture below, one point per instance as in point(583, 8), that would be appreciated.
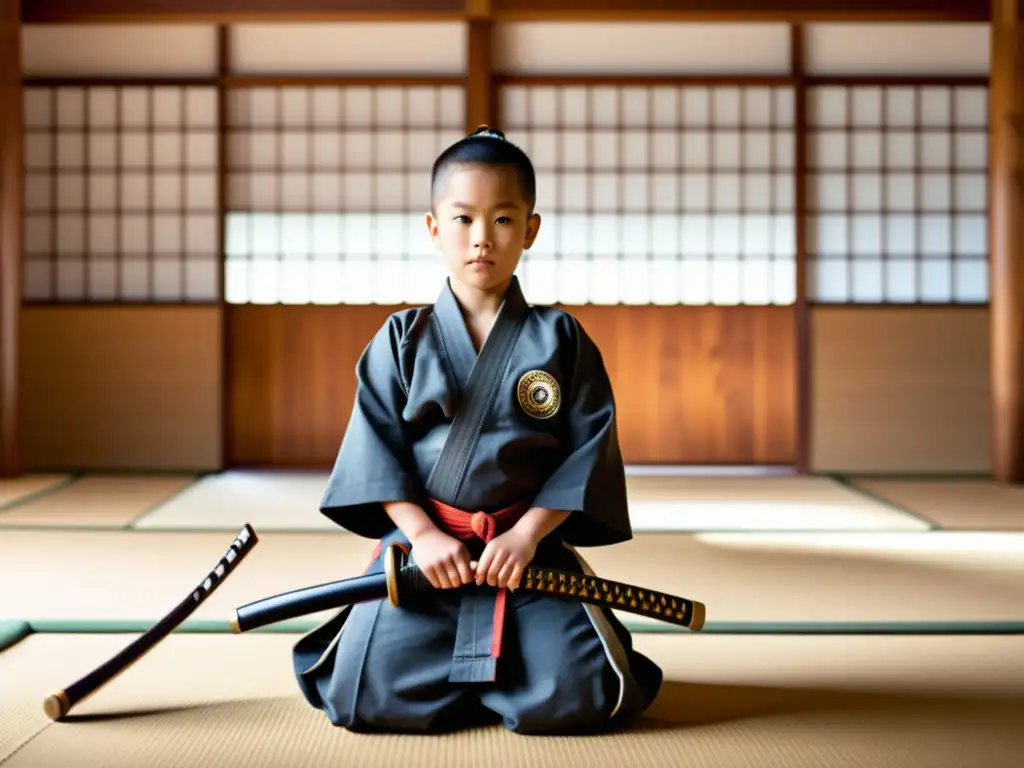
point(898, 194)
point(328, 190)
point(659, 194)
point(121, 194)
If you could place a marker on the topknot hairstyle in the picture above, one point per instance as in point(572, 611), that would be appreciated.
point(485, 146)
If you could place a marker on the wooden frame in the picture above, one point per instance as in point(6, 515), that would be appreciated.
point(234, 11)
point(1006, 183)
point(481, 83)
point(11, 227)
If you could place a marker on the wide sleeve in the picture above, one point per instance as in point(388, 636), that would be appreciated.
point(591, 480)
point(374, 462)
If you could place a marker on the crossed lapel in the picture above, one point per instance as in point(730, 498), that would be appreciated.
point(478, 376)
point(456, 340)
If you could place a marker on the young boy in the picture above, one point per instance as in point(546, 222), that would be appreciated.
point(482, 439)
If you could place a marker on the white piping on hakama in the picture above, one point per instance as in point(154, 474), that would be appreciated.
point(334, 641)
point(613, 648)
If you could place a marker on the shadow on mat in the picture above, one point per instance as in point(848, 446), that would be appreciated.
point(101, 717)
point(684, 704)
point(131, 714)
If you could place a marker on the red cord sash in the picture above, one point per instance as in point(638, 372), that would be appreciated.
point(468, 525)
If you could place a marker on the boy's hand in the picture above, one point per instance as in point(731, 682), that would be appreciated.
point(443, 559)
point(505, 557)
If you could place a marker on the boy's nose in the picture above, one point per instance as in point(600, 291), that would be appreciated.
point(482, 239)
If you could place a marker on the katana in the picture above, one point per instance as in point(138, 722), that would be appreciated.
point(401, 581)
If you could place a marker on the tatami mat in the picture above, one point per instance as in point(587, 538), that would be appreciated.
point(758, 504)
point(290, 501)
point(782, 577)
point(771, 702)
point(97, 500)
point(20, 489)
point(954, 504)
point(267, 500)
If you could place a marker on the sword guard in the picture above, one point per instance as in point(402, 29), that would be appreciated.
point(392, 569)
point(403, 578)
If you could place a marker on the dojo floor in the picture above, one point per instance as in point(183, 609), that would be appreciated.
point(851, 622)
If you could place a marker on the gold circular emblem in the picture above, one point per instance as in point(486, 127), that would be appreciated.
point(538, 394)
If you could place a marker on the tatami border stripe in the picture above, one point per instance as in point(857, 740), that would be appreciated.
point(852, 485)
point(13, 632)
point(130, 526)
point(28, 498)
point(211, 626)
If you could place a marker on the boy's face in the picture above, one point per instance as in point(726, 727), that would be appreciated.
point(482, 225)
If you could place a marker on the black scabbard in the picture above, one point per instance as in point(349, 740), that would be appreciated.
point(301, 602)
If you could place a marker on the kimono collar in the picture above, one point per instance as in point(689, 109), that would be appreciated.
point(458, 344)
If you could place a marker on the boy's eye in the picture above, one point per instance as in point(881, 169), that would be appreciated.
point(504, 220)
point(462, 218)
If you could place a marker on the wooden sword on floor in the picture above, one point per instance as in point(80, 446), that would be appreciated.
point(401, 579)
point(57, 705)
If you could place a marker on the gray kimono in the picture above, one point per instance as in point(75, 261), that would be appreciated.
point(541, 430)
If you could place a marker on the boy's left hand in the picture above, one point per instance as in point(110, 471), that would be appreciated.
point(505, 557)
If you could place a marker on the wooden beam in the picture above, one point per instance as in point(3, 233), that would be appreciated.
point(744, 10)
point(11, 185)
point(234, 11)
point(802, 316)
point(224, 56)
point(480, 96)
point(1006, 238)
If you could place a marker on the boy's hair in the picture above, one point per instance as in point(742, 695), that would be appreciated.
point(485, 146)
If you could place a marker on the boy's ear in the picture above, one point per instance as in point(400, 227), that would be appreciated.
point(532, 228)
point(432, 229)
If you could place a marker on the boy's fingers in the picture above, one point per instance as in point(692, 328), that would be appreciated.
point(496, 565)
point(506, 571)
point(431, 575)
point(454, 578)
point(483, 565)
point(513, 580)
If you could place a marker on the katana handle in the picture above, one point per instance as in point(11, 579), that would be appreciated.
point(568, 586)
point(614, 594)
point(400, 582)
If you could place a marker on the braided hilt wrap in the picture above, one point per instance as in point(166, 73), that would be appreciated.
point(593, 589)
point(409, 579)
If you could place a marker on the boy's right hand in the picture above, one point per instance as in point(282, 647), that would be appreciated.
point(443, 559)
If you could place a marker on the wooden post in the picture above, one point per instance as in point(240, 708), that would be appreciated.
point(1006, 241)
point(802, 311)
point(480, 100)
point(11, 227)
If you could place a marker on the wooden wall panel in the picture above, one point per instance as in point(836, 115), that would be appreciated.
point(112, 388)
point(291, 380)
point(694, 385)
point(700, 385)
point(900, 390)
